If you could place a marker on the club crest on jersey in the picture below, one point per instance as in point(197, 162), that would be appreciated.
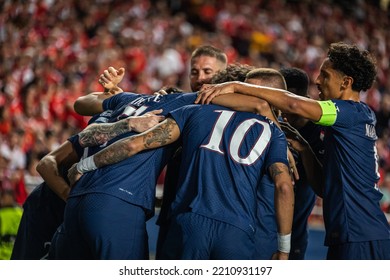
point(370, 131)
point(322, 135)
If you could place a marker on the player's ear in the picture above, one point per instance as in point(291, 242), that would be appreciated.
point(347, 82)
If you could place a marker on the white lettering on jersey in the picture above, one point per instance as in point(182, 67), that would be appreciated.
point(376, 166)
point(139, 101)
point(219, 127)
point(238, 138)
point(130, 110)
point(258, 148)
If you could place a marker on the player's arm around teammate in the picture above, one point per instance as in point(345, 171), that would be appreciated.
point(48, 168)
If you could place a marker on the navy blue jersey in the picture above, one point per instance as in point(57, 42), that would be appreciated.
point(351, 196)
point(134, 179)
point(224, 156)
point(266, 235)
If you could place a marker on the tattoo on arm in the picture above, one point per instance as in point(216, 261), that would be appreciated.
point(160, 136)
point(114, 153)
point(275, 170)
point(98, 134)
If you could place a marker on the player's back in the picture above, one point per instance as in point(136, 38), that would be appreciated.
point(135, 178)
point(224, 156)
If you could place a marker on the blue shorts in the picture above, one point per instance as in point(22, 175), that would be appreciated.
point(100, 226)
point(369, 250)
point(266, 245)
point(196, 237)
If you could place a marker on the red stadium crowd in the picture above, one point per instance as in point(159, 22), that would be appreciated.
point(52, 52)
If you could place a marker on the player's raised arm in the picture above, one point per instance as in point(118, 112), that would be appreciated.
point(92, 103)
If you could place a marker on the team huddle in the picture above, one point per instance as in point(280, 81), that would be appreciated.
point(246, 154)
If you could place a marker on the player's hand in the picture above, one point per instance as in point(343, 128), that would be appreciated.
point(280, 256)
point(208, 92)
point(73, 175)
point(168, 90)
point(111, 77)
point(95, 135)
point(160, 92)
point(146, 121)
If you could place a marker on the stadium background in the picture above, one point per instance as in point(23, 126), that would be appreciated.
point(52, 52)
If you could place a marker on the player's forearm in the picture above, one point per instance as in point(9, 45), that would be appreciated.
point(284, 209)
point(284, 205)
point(237, 102)
point(48, 169)
point(246, 103)
point(91, 104)
point(163, 134)
point(98, 134)
point(284, 197)
point(279, 98)
point(118, 151)
point(313, 169)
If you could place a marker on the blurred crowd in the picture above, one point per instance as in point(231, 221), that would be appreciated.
point(53, 51)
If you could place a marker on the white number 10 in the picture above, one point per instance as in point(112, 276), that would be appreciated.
point(238, 137)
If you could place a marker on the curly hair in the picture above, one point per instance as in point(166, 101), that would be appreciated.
point(233, 72)
point(356, 63)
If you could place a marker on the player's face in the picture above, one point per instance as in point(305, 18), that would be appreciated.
point(329, 81)
point(203, 69)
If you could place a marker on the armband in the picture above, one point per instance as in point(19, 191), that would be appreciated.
point(329, 113)
point(284, 243)
point(86, 165)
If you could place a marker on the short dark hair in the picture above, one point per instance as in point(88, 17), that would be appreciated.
point(272, 77)
point(233, 72)
point(356, 63)
point(297, 80)
point(208, 50)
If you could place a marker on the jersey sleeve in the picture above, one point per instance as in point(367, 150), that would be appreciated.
point(329, 113)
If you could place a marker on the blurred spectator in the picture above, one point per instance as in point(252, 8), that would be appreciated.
point(385, 188)
point(10, 215)
point(13, 150)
